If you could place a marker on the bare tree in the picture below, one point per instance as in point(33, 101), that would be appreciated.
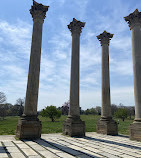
point(114, 108)
point(98, 109)
point(65, 108)
point(20, 103)
point(2, 97)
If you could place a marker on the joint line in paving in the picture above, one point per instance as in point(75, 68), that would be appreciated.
point(7, 152)
point(91, 150)
point(56, 146)
point(116, 149)
point(46, 148)
point(34, 149)
point(20, 149)
point(84, 148)
point(67, 147)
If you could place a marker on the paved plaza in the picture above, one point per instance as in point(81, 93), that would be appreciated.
point(57, 145)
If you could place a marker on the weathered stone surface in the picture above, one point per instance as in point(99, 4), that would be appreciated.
point(92, 145)
point(38, 12)
point(17, 155)
point(28, 127)
point(104, 39)
point(3, 155)
point(65, 155)
point(7, 137)
point(29, 152)
point(135, 131)
point(34, 156)
point(73, 126)
point(108, 127)
point(8, 143)
point(83, 156)
point(134, 21)
point(48, 154)
point(12, 149)
point(22, 146)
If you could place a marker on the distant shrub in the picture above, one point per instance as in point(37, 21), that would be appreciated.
point(51, 112)
point(121, 113)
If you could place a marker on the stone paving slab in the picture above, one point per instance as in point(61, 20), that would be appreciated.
point(58, 146)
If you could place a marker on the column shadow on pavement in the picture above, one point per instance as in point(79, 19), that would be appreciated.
point(3, 149)
point(64, 148)
point(113, 142)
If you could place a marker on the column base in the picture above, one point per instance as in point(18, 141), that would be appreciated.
point(135, 131)
point(107, 126)
point(28, 127)
point(74, 127)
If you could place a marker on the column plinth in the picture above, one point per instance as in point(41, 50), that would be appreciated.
point(106, 125)
point(134, 21)
point(74, 126)
point(29, 126)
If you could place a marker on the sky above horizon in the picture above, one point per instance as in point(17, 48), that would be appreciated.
point(15, 43)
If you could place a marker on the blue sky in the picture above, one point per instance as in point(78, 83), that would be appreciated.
point(15, 42)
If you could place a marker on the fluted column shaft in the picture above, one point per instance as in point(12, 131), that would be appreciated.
point(104, 39)
point(134, 21)
point(34, 70)
point(38, 12)
point(74, 85)
point(136, 54)
point(106, 125)
point(74, 126)
point(106, 102)
point(29, 126)
point(75, 27)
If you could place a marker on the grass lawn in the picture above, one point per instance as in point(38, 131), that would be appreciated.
point(8, 125)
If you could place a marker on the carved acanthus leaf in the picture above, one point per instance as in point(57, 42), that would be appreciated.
point(76, 26)
point(133, 19)
point(104, 37)
point(38, 10)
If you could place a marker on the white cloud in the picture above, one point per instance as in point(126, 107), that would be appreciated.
point(14, 58)
point(15, 41)
point(17, 35)
point(122, 68)
point(123, 95)
point(82, 5)
point(122, 43)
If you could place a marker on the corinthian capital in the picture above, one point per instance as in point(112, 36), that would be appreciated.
point(76, 26)
point(38, 11)
point(104, 37)
point(133, 19)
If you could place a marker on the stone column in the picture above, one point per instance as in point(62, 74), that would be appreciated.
point(74, 126)
point(106, 125)
point(29, 125)
point(134, 21)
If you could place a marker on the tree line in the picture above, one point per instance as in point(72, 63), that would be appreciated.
point(118, 111)
point(7, 109)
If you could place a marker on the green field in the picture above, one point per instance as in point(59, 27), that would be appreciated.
point(8, 125)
